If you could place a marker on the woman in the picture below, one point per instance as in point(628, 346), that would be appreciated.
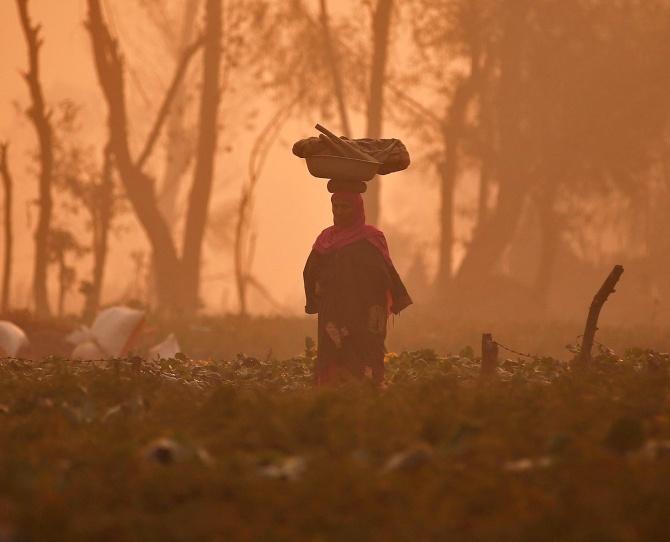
point(350, 281)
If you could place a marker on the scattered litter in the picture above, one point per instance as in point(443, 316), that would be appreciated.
point(290, 468)
point(113, 333)
point(529, 463)
point(164, 451)
point(655, 449)
point(167, 451)
point(204, 457)
point(83, 413)
point(410, 459)
point(112, 411)
point(167, 349)
point(12, 339)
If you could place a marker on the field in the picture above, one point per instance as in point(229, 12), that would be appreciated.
point(247, 449)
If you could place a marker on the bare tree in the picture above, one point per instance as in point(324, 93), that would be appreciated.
point(9, 237)
point(245, 238)
point(177, 34)
point(40, 118)
point(62, 244)
point(139, 186)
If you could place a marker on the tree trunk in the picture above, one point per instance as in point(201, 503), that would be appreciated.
point(445, 251)
point(452, 134)
point(101, 224)
point(483, 195)
point(9, 237)
point(196, 218)
point(332, 59)
point(40, 119)
point(61, 283)
point(178, 153)
point(490, 241)
point(241, 228)
point(488, 245)
point(380, 40)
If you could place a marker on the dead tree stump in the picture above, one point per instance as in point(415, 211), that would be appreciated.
point(489, 355)
point(607, 288)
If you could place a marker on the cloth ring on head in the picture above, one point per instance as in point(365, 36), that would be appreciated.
point(358, 187)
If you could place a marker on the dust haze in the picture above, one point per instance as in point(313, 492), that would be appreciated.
point(537, 131)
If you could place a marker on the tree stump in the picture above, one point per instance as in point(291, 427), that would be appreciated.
point(607, 288)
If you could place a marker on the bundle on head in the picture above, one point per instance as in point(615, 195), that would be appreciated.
point(395, 159)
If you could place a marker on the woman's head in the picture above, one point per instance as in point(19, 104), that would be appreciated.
point(348, 209)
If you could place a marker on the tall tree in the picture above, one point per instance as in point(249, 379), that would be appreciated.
point(62, 244)
point(8, 185)
point(138, 184)
point(40, 118)
point(84, 183)
point(201, 188)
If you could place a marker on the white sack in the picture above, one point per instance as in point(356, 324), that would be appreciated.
point(112, 331)
point(87, 351)
point(12, 339)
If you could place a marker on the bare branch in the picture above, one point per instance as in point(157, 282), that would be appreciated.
point(167, 101)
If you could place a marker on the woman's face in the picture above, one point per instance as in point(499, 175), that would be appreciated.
point(343, 214)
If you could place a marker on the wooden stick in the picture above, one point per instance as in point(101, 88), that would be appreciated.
point(489, 355)
point(599, 299)
point(350, 150)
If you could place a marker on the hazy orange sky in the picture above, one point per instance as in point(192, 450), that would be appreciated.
point(291, 207)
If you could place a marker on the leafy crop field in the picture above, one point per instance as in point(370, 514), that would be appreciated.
point(247, 449)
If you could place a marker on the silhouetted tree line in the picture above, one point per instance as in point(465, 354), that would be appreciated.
point(537, 110)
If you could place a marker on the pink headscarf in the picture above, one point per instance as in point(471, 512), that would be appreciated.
point(336, 237)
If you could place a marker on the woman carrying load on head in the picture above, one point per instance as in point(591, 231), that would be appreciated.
point(351, 282)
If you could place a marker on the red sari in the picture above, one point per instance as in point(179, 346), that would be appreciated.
point(351, 282)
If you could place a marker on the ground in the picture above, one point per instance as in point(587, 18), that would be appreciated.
point(247, 449)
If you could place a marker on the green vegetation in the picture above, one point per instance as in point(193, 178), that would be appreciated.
point(247, 449)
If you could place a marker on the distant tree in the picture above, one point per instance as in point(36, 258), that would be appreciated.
point(40, 118)
point(380, 31)
point(245, 236)
point(8, 185)
point(139, 186)
point(312, 48)
point(449, 40)
point(177, 33)
point(566, 98)
point(87, 185)
point(61, 245)
point(220, 63)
